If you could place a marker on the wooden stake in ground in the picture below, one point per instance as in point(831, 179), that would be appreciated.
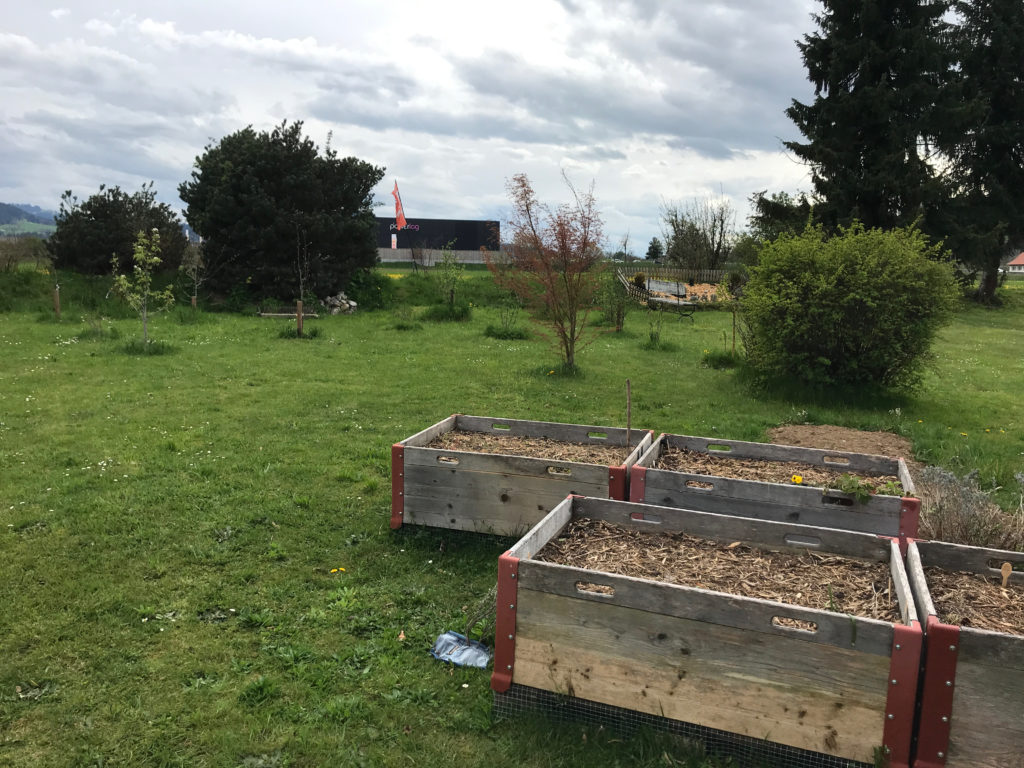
point(1006, 570)
point(298, 317)
point(56, 299)
point(629, 415)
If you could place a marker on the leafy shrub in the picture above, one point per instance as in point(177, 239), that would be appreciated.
point(370, 289)
point(860, 307)
point(613, 299)
point(308, 332)
point(639, 280)
point(501, 332)
point(444, 312)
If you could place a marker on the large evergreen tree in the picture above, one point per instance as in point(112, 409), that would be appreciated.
point(876, 66)
point(984, 137)
point(279, 216)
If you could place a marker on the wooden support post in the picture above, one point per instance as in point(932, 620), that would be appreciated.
point(298, 317)
point(193, 301)
point(56, 300)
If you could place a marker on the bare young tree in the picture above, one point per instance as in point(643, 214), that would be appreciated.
point(555, 261)
point(698, 236)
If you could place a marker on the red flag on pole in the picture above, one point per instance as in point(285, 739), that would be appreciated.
point(399, 212)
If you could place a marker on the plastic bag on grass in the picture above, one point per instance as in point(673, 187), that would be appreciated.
point(461, 651)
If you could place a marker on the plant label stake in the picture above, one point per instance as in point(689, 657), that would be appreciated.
point(1006, 570)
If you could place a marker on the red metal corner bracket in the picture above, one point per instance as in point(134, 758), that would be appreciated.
point(505, 627)
point(942, 646)
point(617, 483)
point(900, 703)
point(910, 513)
point(397, 485)
point(637, 483)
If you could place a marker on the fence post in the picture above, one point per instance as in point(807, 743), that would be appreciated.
point(298, 317)
point(56, 299)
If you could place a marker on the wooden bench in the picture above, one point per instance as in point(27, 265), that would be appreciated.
point(649, 300)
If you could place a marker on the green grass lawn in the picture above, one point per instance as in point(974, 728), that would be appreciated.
point(169, 524)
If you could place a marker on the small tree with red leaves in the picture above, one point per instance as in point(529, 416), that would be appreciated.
point(555, 261)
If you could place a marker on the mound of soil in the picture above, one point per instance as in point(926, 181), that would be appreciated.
point(811, 580)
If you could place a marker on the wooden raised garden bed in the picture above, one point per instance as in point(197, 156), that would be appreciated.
point(973, 692)
point(674, 644)
point(501, 476)
point(778, 482)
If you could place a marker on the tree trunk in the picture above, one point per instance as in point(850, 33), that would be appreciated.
point(986, 293)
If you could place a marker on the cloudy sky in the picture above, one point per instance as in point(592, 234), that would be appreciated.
point(654, 101)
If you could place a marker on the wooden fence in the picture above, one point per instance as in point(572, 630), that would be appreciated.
point(672, 274)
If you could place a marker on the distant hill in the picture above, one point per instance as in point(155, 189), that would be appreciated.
point(14, 220)
point(42, 215)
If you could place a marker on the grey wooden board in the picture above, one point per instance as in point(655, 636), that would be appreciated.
point(906, 480)
point(986, 728)
point(575, 433)
point(430, 433)
point(901, 584)
point(544, 531)
point(843, 461)
point(958, 557)
point(662, 489)
point(918, 583)
point(502, 464)
point(769, 534)
point(763, 685)
point(513, 523)
point(839, 630)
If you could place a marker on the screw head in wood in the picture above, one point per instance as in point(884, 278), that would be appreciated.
point(945, 719)
point(952, 647)
point(942, 754)
point(949, 683)
point(898, 646)
point(893, 682)
point(891, 717)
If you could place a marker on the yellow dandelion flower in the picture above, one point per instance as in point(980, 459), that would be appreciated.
point(988, 430)
point(334, 570)
point(920, 421)
point(798, 479)
point(963, 434)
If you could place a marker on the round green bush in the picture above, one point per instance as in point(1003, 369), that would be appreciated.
point(859, 307)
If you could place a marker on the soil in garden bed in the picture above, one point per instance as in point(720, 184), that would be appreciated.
point(533, 447)
point(972, 600)
point(698, 463)
point(808, 579)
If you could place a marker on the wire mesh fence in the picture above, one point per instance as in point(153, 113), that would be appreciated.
point(745, 751)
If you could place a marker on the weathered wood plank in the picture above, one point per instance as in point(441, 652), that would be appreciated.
point(430, 433)
point(844, 461)
point(958, 557)
point(672, 483)
point(901, 585)
point(866, 518)
point(905, 479)
point(575, 433)
point(918, 582)
point(457, 462)
point(514, 523)
point(867, 636)
point(544, 531)
point(987, 729)
point(781, 535)
point(784, 689)
point(436, 482)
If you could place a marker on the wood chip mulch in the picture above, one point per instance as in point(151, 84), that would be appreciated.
point(808, 579)
point(698, 463)
point(533, 447)
point(972, 600)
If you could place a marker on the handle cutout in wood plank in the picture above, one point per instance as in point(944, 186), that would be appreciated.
point(719, 448)
point(797, 540)
point(700, 485)
point(502, 427)
point(560, 471)
point(590, 588)
point(796, 625)
point(841, 461)
point(598, 435)
point(839, 501)
point(451, 461)
point(643, 517)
